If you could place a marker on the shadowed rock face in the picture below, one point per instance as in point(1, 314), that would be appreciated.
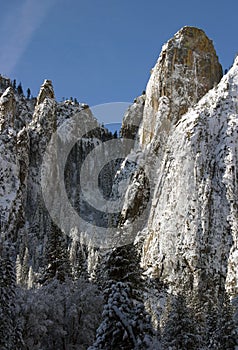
point(186, 69)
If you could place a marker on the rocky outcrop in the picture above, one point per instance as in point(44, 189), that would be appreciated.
point(186, 69)
point(192, 223)
point(4, 83)
point(187, 147)
point(133, 118)
point(15, 114)
point(46, 91)
point(7, 108)
point(26, 130)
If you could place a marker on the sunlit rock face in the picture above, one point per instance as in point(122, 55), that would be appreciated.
point(46, 90)
point(192, 224)
point(7, 108)
point(188, 141)
point(188, 136)
point(186, 69)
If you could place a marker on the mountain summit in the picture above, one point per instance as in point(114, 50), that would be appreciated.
point(186, 69)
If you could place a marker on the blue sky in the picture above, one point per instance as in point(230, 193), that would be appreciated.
point(101, 51)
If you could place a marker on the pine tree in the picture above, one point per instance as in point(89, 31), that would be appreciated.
point(214, 316)
point(28, 91)
point(10, 337)
point(180, 330)
point(125, 324)
point(14, 84)
point(116, 332)
point(19, 89)
point(123, 265)
point(77, 256)
point(57, 257)
point(220, 325)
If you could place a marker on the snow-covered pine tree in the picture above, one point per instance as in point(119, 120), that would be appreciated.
point(10, 335)
point(179, 330)
point(219, 323)
point(213, 314)
point(78, 255)
point(57, 256)
point(125, 325)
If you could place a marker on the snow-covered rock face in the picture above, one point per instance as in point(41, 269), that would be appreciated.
point(191, 234)
point(133, 118)
point(4, 83)
point(7, 108)
point(26, 128)
point(186, 69)
point(192, 227)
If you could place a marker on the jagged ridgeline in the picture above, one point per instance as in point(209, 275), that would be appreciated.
point(174, 285)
